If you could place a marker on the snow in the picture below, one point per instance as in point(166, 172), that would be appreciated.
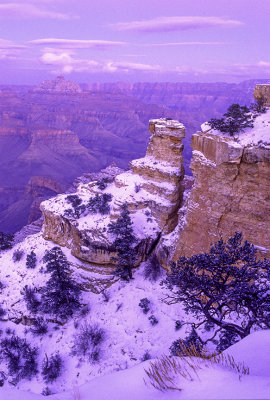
point(258, 135)
point(210, 382)
point(153, 164)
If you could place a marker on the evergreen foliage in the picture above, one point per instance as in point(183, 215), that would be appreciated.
point(152, 269)
point(192, 340)
point(153, 320)
point(17, 255)
point(145, 305)
point(77, 207)
point(99, 204)
point(235, 120)
point(31, 260)
point(228, 287)
point(20, 357)
point(61, 295)
point(51, 368)
point(6, 241)
point(40, 327)
point(31, 300)
point(123, 244)
point(87, 342)
point(102, 184)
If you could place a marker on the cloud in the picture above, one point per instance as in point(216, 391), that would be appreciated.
point(27, 10)
point(131, 67)
point(65, 62)
point(76, 44)
point(180, 23)
point(7, 44)
point(172, 44)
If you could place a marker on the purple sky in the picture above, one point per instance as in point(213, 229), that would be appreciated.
point(134, 40)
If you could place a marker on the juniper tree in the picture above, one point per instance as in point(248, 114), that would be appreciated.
point(227, 287)
point(235, 120)
point(6, 241)
point(31, 260)
point(61, 295)
point(123, 244)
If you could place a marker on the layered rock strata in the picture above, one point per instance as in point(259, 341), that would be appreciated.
point(231, 192)
point(262, 92)
point(152, 189)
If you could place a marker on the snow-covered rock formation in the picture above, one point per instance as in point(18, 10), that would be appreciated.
point(152, 189)
point(231, 190)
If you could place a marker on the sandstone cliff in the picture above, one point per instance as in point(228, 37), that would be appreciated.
point(152, 189)
point(231, 192)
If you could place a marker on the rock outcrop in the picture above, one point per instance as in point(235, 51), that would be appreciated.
point(152, 190)
point(58, 85)
point(231, 192)
point(262, 92)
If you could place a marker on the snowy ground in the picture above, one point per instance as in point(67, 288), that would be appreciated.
point(211, 382)
point(129, 333)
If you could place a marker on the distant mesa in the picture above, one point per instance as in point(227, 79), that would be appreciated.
point(58, 85)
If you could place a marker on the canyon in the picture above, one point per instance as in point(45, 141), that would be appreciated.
point(59, 130)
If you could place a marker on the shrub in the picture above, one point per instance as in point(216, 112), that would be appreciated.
point(227, 287)
point(6, 241)
point(61, 295)
point(31, 260)
point(152, 269)
point(46, 391)
point(226, 340)
point(144, 304)
point(192, 341)
point(20, 357)
point(153, 320)
point(88, 340)
point(235, 120)
point(40, 327)
point(51, 368)
point(103, 183)
point(146, 356)
point(123, 244)
point(137, 188)
point(178, 325)
point(2, 312)
point(99, 204)
point(17, 255)
point(77, 207)
point(32, 302)
point(106, 296)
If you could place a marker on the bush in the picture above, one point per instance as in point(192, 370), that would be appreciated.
point(40, 327)
point(32, 302)
point(123, 244)
point(144, 304)
point(152, 269)
point(103, 183)
point(20, 357)
point(31, 260)
point(51, 368)
point(17, 255)
point(192, 341)
point(99, 204)
point(87, 342)
point(2, 312)
point(77, 207)
point(153, 320)
point(61, 295)
point(235, 120)
point(227, 287)
point(46, 391)
point(146, 356)
point(6, 241)
point(178, 325)
point(226, 340)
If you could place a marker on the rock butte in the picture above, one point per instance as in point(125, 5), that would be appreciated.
point(230, 193)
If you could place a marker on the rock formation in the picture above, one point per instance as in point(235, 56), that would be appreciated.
point(262, 92)
point(58, 85)
point(152, 189)
point(231, 192)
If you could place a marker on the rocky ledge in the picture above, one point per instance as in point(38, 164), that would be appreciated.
point(152, 190)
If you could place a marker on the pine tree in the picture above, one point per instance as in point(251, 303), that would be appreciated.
point(61, 295)
point(124, 244)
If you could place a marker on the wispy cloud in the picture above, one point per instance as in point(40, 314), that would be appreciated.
point(77, 44)
point(131, 67)
point(8, 44)
point(175, 44)
point(176, 23)
point(27, 10)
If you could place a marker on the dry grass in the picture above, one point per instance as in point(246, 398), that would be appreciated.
point(164, 373)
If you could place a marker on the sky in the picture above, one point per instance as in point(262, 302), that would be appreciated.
point(134, 40)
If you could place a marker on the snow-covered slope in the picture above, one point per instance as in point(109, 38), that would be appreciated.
point(211, 383)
